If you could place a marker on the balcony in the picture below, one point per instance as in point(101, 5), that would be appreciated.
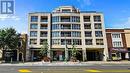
point(43, 34)
point(44, 19)
point(65, 26)
point(65, 34)
point(43, 26)
point(65, 19)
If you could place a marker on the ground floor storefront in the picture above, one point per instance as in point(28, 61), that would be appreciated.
point(60, 54)
point(119, 54)
point(13, 55)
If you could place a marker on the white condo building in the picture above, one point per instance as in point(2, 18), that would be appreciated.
point(65, 26)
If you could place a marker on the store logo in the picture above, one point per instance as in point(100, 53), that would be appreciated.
point(6, 6)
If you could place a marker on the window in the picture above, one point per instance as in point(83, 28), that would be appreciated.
point(43, 34)
point(99, 42)
point(66, 41)
point(34, 18)
point(88, 41)
point(88, 33)
point(117, 44)
point(77, 41)
point(33, 41)
point(55, 34)
point(66, 10)
point(86, 18)
point(97, 18)
point(33, 26)
point(98, 26)
point(116, 35)
point(55, 41)
point(76, 34)
point(55, 26)
point(98, 34)
point(44, 19)
point(42, 41)
point(55, 19)
point(33, 34)
point(75, 19)
point(75, 26)
point(87, 26)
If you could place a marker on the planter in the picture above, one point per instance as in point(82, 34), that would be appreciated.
point(73, 59)
point(46, 59)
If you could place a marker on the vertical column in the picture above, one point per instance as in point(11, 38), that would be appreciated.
point(49, 34)
point(38, 31)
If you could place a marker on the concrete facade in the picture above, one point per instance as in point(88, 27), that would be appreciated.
point(65, 26)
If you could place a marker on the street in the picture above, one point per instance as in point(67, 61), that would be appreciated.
point(67, 69)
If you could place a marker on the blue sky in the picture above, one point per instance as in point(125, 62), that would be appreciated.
point(116, 12)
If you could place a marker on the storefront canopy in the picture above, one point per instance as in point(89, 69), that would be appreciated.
point(119, 50)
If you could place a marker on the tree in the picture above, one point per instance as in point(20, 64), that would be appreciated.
point(9, 39)
point(44, 51)
point(74, 53)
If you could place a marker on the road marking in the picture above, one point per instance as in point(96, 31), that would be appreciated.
point(111, 71)
point(24, 70)
point(93, 70)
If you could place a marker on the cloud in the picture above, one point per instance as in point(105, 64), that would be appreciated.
point(84, 2)
point(8, 17)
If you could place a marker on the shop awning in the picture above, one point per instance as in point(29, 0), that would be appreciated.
point(119, 50)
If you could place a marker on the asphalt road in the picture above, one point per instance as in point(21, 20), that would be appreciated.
point(65, 69)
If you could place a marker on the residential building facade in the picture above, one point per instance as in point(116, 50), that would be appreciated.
point(65, 26)
point(117, 46)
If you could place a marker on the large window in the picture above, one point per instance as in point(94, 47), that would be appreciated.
point(87, 26)
point(75, 26)
point(86, 18)
point(88, 33)
point(98, 26)
point(76, 34)
point(33, 41)
point(116, 35)
point(77, 41)
point(88, 41)
point(55, 19)
point(99, 42)
point(33, 26)
point(33, 34)
point(97, 18)
point(55, 41)
point(34, 18)
point(55, 26)
point(117, 44)
point(75, 19)
point(44, 19)
point(55, 34)
point(98, 34)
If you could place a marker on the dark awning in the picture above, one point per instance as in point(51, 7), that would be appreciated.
point(119, 49)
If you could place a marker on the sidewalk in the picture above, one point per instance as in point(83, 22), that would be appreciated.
point(68, 63)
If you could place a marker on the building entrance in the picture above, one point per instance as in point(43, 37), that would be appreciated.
point(93, 55)
point(58, 55)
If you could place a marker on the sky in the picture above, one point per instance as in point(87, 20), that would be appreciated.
point(116, 12)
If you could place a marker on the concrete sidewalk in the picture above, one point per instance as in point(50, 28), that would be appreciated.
point(89, 63)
